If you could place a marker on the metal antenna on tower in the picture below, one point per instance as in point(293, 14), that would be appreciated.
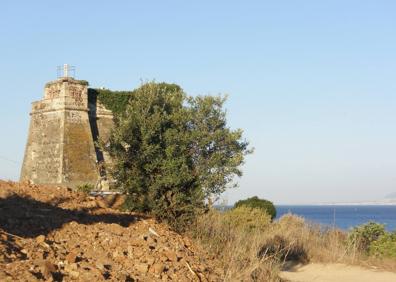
point(66, 71)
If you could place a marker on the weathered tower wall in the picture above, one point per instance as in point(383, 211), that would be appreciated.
point(101, 121)
point(63, 128)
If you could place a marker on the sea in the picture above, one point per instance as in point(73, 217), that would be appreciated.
point(343, 217)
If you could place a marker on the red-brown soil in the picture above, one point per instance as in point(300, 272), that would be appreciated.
point(50, 233)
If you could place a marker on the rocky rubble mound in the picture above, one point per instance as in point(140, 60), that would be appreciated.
point(50, 233)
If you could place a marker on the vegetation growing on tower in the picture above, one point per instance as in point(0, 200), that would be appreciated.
point(117, 101)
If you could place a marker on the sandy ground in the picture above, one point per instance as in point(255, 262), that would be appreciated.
point(336, 273)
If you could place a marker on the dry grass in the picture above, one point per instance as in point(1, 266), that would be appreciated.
point(252, 248)
point(235, 238)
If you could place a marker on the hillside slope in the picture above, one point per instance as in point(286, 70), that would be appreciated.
point(50, 233)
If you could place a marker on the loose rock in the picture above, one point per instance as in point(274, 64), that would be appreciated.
point(59, 235)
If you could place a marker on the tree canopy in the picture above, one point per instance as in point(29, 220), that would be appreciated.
point(172, 153)
point(257, 203)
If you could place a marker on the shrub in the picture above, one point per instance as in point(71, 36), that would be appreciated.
point(85, 188)
point(173, 153)
point(255, 202)
point(384, 246)
point(362, 236)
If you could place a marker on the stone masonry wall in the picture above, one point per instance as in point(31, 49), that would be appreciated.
point(42, 161)
point(62, 134)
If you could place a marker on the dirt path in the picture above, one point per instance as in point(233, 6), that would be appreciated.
point(336, 273)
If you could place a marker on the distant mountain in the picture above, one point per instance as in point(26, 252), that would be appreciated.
point(391, 196)
point(387, 200)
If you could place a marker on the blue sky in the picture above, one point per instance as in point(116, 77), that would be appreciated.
point(312, 83)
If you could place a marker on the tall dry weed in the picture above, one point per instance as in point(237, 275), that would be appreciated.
point(252, 248)
point(235, 238)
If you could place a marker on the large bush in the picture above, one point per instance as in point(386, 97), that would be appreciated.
point(373, 240)
point(362, 236)
point(384, 246)
point(173, 153)
point(255, 202)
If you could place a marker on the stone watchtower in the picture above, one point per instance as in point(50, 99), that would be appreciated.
point(63, 127)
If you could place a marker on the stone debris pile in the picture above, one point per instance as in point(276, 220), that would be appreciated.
point(54, 234)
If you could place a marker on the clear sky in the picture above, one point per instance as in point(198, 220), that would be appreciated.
point(312, 83)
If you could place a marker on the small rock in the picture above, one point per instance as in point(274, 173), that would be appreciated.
point(47, 268)
point(150, 260)
point(138, 253)
point(158, 268)
point(163, 258)
point(101, 203)
point(74, 274)
point(4, 194)
point(119, 201)
point(135, 242)
point(40, 239)
point(115, 254)
point(152, 231)
point(130, 252)
point(179, 255)
point(71, 267)
point(142, 267)
point(24, 251)
point(171, 255)
point(71, 257)
point(99, 266)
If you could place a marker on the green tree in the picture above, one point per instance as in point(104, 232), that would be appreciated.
point(257, 203)
point(173, 153)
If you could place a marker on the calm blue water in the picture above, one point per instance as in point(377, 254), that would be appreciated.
point(344, 217)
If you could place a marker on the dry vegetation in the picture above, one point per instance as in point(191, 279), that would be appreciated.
point(252, 248)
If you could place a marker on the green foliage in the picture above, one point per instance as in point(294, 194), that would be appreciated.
point(362, 236)
point(254, 202)
point(172, 152)
point(85, 188)
point(116, 101)
point(372, 239)
point(384, 246)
